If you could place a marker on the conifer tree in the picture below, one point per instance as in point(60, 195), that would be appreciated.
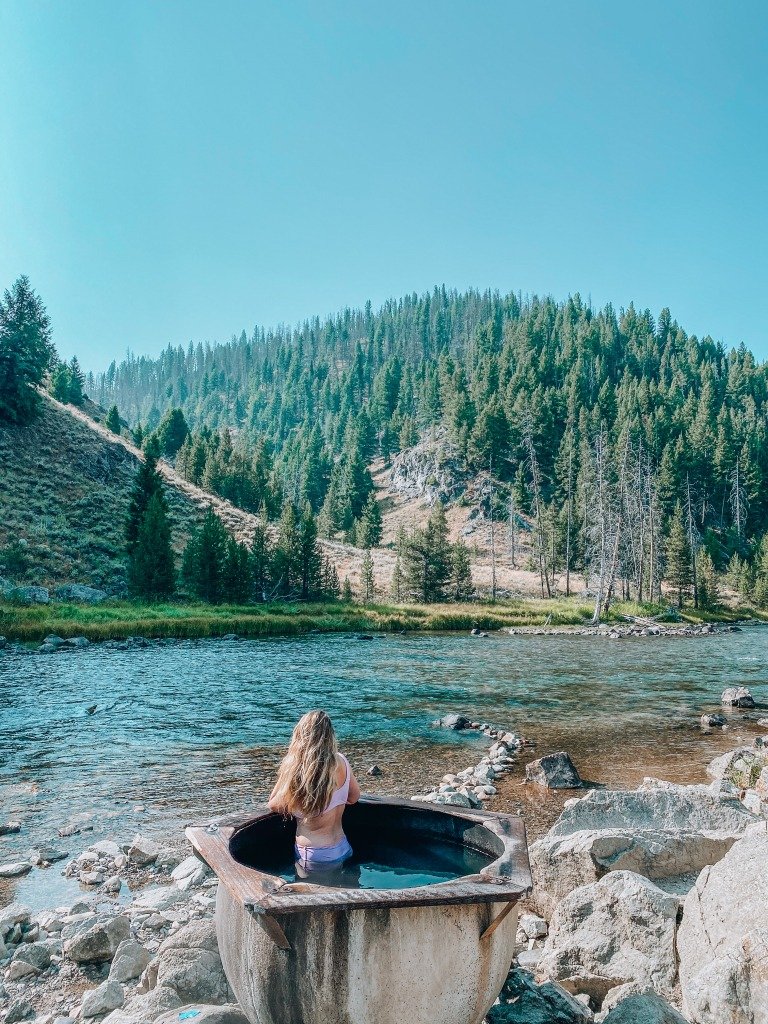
point(427, 559)
point(346, 594)
point(150, 563)
point(113, 423)
point(678, 552)
point(237, 573)
point(261, 559)
point(709, 591)
point(462, 587)
point(310, 557)
point(172, 432)
point(76, 383)
point(26, 351)
point(397, 583)
point(367, 579)
point(204, 559)
point(146, 485)
point(370, 526)
point(137, 433)
point(331, 588)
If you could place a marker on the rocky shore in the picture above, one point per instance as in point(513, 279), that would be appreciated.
point(648, 906)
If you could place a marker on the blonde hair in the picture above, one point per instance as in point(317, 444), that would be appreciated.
point(306, 778)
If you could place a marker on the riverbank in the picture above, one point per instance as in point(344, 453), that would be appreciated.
point(116, 620)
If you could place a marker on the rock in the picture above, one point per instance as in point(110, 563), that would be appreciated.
point(456, 722)
point(723, 937)
point(763, 723)
point(143, 851)
point(229, 1013)
point(34, 955)
point(107, 848)
point(13, 914)
point(29, 595)
point(522, 1001)
point(645, 1007)
point(47, 853)
point(10, 828)
point(555, 771)
point(189, 963)
point(79, 593)
point(91, 877)
point(737, 697)
point(107, 996)
point(96, 941)
point(14, 868)
point(148, 1007)
point(158, 899)
point(742, 766)
point(660, 833)
point(614, 931)
point(130, 960)
point(189, 873)
point(374, 770)
point(20, 1009)
point(716, 721)
point(533, 926)
point(77, 824)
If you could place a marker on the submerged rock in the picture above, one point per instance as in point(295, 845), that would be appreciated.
point(555, 771)
point(14, 868)
point(716, 721)
point(723, 938)
point(456, 722)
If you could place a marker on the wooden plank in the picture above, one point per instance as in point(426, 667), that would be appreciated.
point(502, 914)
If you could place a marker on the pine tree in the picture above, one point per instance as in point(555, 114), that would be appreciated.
point(709, 591)
point(310, 557)
point(204, 559)
point(113, 423)
point(26, 351)
point(330, 580)
point(427, 559)
point(261, 558)
point(346, 594)
point(172, 432)
point(367, 579)
point(76, 383)
point(150, 563)
point(146, 485)
point(137, 434)
point(397, 583)
point(237, 573)
point(60, 382)
point(287, 555)
point(461, 573)
point(370, 526)
point(678, 552)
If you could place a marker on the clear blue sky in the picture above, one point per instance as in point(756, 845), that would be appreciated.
point(180, 170)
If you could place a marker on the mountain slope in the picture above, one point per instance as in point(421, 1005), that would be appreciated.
point(65, 482)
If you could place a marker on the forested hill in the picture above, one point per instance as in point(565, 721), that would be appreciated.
point(527, 384)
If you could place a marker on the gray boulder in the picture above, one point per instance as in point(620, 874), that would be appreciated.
point(523, 1001)
point(13, 914)
point(106, 997)
point(20, 1009)
point(716, 721)
point(129, 961)
point(79, 593)
point(31, 958)
point(645, 1007)
point(143, 851)
point(723, 938)
point(741, 767)
point(456, 722)
point(29, 595)
point(150, 1005)
point(661, 832)
point(618, 930)
point(737, 697)
point(95, 940)
point(14, 868)
point(189, 963)
point(555, 771)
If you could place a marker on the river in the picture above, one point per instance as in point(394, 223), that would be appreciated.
point(184, 730)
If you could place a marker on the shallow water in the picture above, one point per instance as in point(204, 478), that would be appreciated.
point(189, 729)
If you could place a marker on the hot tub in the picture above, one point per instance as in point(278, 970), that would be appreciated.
point(298, 952)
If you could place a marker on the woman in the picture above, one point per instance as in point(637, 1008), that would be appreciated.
point(315, 784)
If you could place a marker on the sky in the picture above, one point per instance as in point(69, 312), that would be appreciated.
point(175, 171)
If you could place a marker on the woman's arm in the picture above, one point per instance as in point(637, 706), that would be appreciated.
point(354, 789)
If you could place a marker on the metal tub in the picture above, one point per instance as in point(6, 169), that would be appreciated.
point(302, 953)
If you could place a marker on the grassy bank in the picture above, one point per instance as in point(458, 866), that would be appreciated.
point(118, 619)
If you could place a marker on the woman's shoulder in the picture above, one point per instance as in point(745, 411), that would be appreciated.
point(342, 767)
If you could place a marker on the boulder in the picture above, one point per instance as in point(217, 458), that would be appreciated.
point(189, 963)
point(723, 938)
point(716, 721)
point(20, 1009)
point(618, 930)
point(737, 697)
point(741, 767)
point(190, 872)
point(228, 1014)
point(523, 1001)
point(47, 853)
point(29, 595)
point(95, 940)
point(143, 851)
point(130, 960)
point(532, 926)
point(14, 868)
point(150, 1005)
point(555, 771)
point(456, 722)
point(106, 997)
point(645, 1007)
point(13, 914)
point(35, 955)
point(10, 828)
point(660, 832)
point(79, 593)
point(159, 899)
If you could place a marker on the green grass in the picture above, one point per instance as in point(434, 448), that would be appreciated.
point(119, 619)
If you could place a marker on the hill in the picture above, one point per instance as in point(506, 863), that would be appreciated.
point(64, 491)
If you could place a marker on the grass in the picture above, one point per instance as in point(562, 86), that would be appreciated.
point(119, 619)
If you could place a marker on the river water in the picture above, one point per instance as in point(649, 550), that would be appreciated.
point(184, 730)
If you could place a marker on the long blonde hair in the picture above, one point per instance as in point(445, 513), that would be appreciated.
point(306, 778)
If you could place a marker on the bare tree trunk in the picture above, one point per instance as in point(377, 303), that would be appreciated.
point(568, 522)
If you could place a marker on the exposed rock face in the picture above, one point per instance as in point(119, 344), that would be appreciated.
point(618, 930)
point(431, 469)
point(659, 832)
point(723, 939)
point(555, 771)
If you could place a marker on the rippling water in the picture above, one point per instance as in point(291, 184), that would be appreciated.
point(186, 729)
